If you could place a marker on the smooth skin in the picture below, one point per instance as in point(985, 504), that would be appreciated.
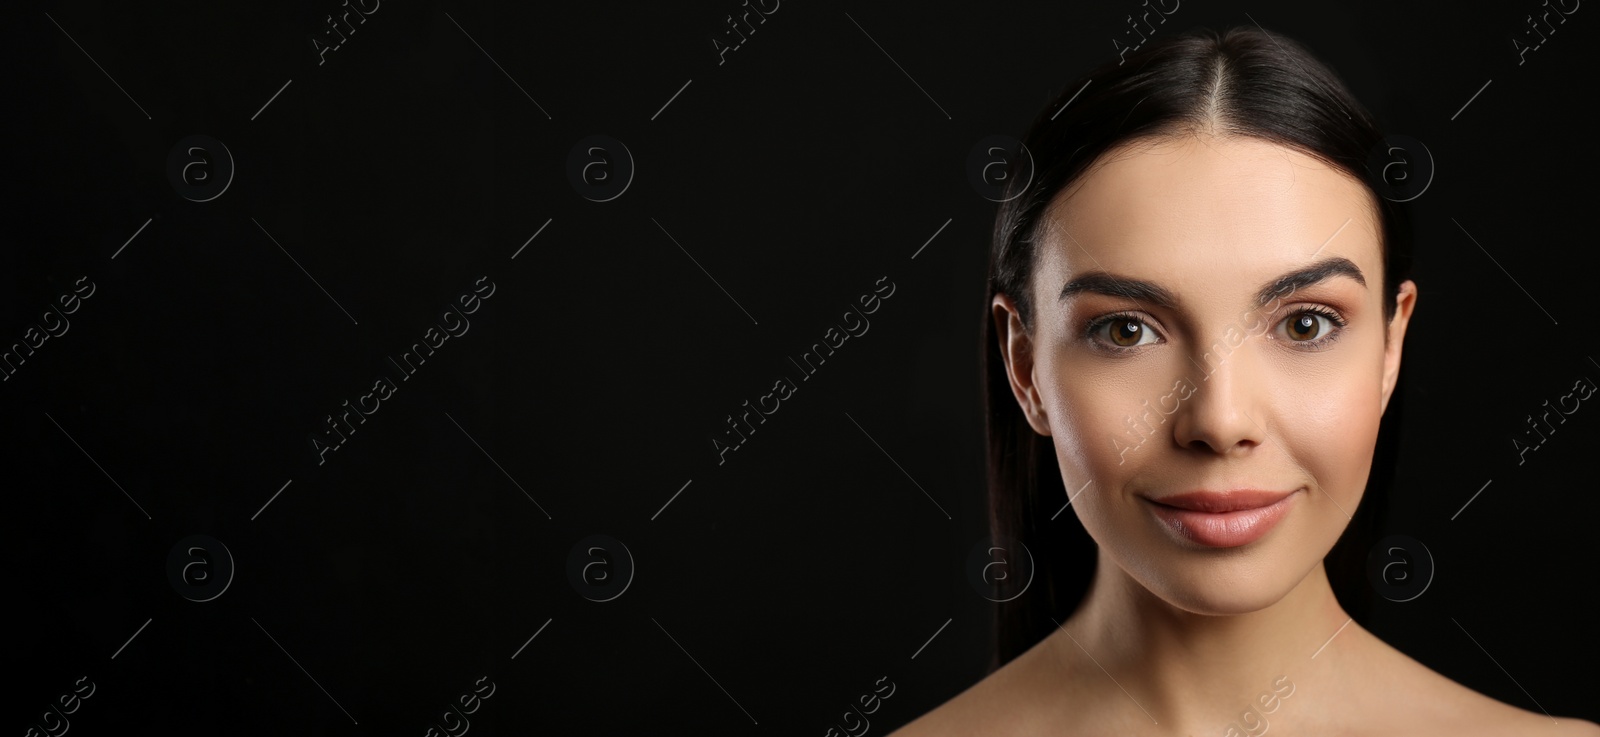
point(1175, 638)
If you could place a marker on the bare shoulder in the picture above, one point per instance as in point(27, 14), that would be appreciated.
point(1571, 727)
point(1005, 702)
point(1496, 718)
point(971, 712)
point(1420, 700)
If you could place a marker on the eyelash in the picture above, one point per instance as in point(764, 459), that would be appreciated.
point(1091, 332)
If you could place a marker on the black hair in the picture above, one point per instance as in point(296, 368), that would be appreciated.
point(1240, 82)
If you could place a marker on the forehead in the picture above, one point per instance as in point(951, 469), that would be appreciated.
point(1202, 210)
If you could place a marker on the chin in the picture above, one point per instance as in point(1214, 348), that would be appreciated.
point(1224, 581)
point(1222, 593)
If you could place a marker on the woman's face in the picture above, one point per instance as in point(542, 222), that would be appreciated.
point(1200, 324)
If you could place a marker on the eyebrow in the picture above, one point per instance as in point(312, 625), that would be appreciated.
point(1138, 290)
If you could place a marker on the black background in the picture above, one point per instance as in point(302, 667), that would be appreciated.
point(778, 586)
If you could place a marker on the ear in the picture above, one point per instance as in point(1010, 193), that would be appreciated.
point(1405, 302)
point(1016, 347)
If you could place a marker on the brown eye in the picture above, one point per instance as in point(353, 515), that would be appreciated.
point(1120, 332)
point(1128, 333)
point(1125, 332)
point(1305, 326)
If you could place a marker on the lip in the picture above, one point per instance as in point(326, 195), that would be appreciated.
point(1222, 519)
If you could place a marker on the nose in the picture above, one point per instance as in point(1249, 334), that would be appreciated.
point(1220, 415)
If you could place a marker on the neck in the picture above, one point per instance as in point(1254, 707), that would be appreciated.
point(1197, 673)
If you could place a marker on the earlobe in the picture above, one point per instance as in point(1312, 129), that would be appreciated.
point(1016, 347)
point(1405, 303)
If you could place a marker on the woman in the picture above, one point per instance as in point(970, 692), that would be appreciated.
point(1199, 303)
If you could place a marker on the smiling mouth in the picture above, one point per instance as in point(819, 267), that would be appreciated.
point(1222, 519)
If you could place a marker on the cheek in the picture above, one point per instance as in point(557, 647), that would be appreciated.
point(1103, 421)
point(1333, 430)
